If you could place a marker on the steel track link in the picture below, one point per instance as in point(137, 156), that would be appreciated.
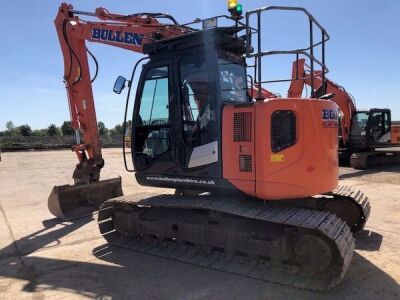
point(358, 198)
point(320, 223)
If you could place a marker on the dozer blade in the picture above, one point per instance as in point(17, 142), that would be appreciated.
point(74, 201)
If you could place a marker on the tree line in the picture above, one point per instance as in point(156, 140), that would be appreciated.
point(52, 130)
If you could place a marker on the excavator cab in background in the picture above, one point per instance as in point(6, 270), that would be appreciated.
point(255, 175)
point(370, 129)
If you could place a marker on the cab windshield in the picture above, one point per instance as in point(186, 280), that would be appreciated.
point(359, 124)
point(232, 77)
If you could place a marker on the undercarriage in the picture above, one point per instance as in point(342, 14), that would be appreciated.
point(266, 240)
point(366, 160)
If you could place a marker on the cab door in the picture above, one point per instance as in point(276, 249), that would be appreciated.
point(151, 133)
point(379, 127)
point(198, 144)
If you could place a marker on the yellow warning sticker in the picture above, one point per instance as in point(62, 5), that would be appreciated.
point(277, 157)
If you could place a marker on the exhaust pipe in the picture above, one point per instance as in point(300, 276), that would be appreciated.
point(68, 202)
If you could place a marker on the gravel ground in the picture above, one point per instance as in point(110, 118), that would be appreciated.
point(41, 257)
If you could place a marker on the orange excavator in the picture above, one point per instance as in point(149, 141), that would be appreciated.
point(256, 176)
point(361, 132)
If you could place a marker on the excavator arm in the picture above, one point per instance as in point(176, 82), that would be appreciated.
point(130, 32)
point(301, 76)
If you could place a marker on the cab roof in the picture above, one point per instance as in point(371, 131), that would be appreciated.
point(220, 37)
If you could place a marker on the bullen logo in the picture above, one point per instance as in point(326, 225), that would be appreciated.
point(329, 118)
point(117, 36)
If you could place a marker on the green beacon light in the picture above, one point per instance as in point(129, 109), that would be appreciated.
point(239, 9)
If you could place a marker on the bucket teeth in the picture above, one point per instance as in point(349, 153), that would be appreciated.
point(68, 202)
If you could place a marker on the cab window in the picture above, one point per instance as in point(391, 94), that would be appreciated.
point(195, 100)
point(154, 101)
point(232, 78)
point(359, 124)
point(152, 132)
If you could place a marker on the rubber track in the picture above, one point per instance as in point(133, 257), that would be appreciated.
point(361, 200)
point(326, 223)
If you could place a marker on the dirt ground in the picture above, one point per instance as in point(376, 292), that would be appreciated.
point(41, 257)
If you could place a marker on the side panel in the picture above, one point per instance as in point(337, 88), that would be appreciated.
point(395, 134)
point(281, 149)
point(238, 157)
point(310, 165)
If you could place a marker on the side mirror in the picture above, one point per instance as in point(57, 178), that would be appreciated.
point(119, 84)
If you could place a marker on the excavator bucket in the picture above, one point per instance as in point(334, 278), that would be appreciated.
point(69, 202)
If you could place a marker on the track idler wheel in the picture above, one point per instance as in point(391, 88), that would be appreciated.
point(313, 253)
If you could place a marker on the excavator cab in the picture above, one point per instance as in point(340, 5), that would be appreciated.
point(370, 129)
point(195, 123)
point(380, 126)
point(180, 96)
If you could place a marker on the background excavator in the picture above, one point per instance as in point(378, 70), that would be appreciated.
point(361, 132)
point(256, 176)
